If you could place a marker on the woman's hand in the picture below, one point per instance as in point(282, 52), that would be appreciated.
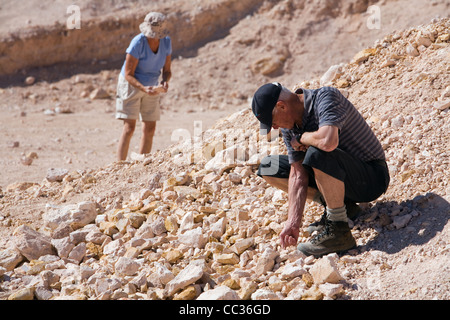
point(152, 91)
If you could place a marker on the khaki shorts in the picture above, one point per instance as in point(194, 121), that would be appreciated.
point(132, 103)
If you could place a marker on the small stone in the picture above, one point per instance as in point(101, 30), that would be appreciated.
point(266, 261)
point(26, 161)
point(442, 105)
point(292, 270)
point(265, 294)
point(99, 93)
point(126, 266)
point(325, 270)
point(312, 294)
point(31, 243)
point(401, 221)
point(364, 55)
point(219, 293)
point(423, 41)
point(56, 174)
point(331, 75)
point(164, 275)
point(410, 50)
point(30, 80)
point(173, 256)
point(331, 290)
point(242, 244)
point(248, 287)
point(190, 293)
point(23, 294)
point(189, 275)
point(227, 258)
point(195, 238)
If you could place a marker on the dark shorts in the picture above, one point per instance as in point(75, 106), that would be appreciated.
point(364, 181)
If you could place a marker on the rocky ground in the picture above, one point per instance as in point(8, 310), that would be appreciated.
point(193, 221)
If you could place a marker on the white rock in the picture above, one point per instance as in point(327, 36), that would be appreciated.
point(78, 253)
point(63, 246)
point(226, 159)
point(10, 258)
point(195, 238)
point(31, 243)
point(264, 294)
point(187, 222)
point(218, 228)
point(191, 273)
point(77, 216)
point(331, 289)
point(331, 75)
point(442, 105)
point(410, 50)
point(325, 270)
point(115, 248)
point(158, 226)
point(164, 275)
point(219, 293)
point(292, 270)
point(56, 174)
point(266, 261)
point(126, 266)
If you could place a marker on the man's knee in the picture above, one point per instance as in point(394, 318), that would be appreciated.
point(274, 166)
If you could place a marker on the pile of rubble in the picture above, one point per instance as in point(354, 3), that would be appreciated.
point(195, 222)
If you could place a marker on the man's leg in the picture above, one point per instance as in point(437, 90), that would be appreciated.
point(335, 235)
point(283, 183)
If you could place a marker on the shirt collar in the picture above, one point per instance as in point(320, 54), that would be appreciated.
point(307, 107)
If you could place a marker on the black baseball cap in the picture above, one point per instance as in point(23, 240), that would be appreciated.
point(264, 100)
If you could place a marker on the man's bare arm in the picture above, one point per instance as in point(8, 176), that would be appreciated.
point(297, 193)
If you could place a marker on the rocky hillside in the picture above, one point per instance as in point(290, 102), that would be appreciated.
point(195, 222)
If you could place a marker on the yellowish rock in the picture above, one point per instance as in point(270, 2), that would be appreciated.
point(23, 294)
point(227, 258)
point(189, 293)
point(364, 55)
point(173, 255)
point(232, 284)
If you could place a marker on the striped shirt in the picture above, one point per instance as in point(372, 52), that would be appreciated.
point(327, 106)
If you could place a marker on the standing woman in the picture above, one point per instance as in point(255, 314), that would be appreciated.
point(138, 88)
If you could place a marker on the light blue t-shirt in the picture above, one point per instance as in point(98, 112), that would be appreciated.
point(150, 64)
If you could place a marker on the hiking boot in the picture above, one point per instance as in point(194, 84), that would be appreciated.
point(335, 237)
point(317, 225)
point(353, 212)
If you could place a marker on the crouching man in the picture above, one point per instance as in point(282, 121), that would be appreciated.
point(333, 158)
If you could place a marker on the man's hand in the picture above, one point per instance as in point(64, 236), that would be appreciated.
point(289, 235)
point(298, 146)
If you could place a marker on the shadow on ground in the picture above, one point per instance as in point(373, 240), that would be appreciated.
point(411, 222)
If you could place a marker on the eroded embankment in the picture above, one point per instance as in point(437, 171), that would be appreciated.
point(106, 38)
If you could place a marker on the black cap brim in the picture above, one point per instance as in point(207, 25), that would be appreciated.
point(264, 129)
point(264, 100)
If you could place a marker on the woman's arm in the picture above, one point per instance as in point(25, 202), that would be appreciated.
point(130, 67)
point(167, 72)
